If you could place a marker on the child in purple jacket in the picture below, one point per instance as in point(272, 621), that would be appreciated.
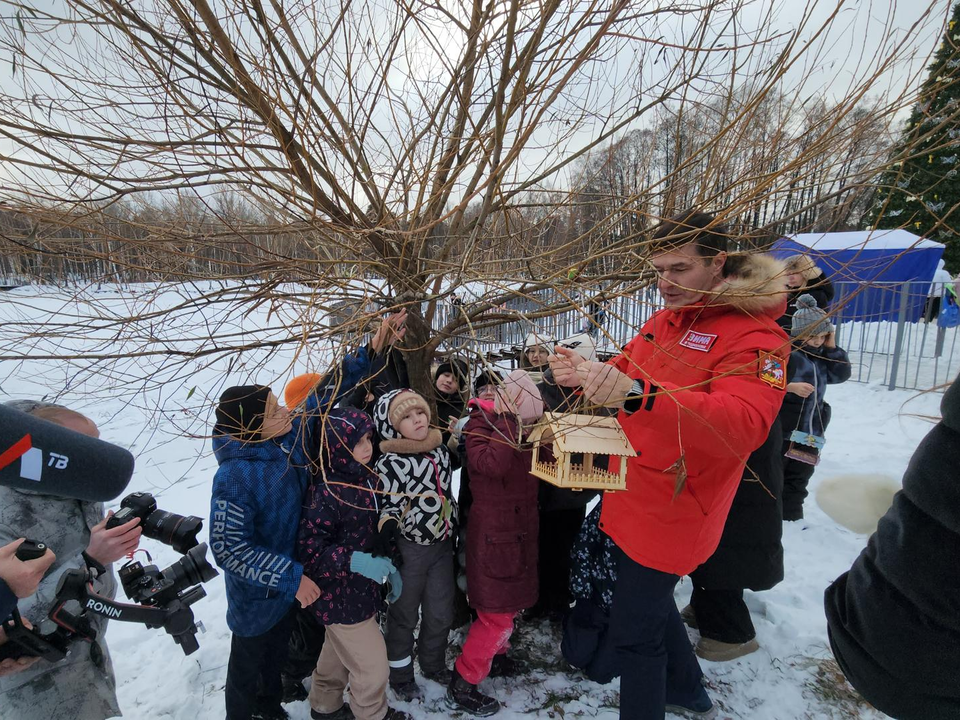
point(337, 527)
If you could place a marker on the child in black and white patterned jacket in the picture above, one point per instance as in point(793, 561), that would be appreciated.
point(417, 522)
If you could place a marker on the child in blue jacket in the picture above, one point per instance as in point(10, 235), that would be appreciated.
point(255, 511)
point(815, 362)
point(337, 531)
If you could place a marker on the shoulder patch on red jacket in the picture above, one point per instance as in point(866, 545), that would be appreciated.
point(773, 370)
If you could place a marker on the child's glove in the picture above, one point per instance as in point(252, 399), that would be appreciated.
point(375, 568)
point(385, 544)
point(396, 587)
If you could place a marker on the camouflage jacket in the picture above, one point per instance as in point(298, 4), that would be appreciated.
point(82, 685)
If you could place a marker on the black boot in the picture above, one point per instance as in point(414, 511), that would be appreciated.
point(465, 697)
point(293, 690)
point(506, 666)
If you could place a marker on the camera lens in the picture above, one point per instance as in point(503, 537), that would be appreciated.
point(192, 569)
point(177, 531)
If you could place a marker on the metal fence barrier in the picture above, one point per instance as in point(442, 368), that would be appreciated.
point(889, 330)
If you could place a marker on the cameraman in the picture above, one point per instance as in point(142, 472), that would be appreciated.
point(82, 685)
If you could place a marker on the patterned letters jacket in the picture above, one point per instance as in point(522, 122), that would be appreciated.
point(416, 485)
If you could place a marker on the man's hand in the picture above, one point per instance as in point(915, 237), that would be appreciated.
point(108, 546)
point(391, 330)
point(308, 592)
point(23, 577)
point(603, 384)
point(800, 388)
point(11, 666)
point(564, 367)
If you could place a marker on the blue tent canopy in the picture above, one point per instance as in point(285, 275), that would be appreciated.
point(869, 269)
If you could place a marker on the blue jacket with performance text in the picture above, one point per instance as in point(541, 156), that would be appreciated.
point(255, 510)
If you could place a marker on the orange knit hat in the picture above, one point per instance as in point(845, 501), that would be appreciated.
point(299, 388)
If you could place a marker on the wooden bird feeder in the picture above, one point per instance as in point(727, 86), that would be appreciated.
point(586, 435)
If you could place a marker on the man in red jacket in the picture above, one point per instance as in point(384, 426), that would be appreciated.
point(698, 390)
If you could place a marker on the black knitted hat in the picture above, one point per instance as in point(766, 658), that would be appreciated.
point(457, 368)
point(240, 411)
point(487, 377)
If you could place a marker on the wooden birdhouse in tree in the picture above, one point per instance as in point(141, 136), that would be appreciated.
point(584, 436)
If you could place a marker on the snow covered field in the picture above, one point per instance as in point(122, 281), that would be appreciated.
point(161, 413)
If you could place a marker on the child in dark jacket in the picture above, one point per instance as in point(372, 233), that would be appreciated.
point(815, 362)
point(417, 520)
point(338, 527)
point(501, 537)
point(255, 511)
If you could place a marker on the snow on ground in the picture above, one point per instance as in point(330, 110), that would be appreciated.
point(160, 415)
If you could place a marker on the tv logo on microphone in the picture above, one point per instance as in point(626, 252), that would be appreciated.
point(31, 459)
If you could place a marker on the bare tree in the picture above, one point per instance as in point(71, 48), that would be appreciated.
point(388, 153)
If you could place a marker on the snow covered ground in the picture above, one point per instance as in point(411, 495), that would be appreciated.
point(160, 414)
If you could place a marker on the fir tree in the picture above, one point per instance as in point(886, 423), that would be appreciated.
point(920, 191)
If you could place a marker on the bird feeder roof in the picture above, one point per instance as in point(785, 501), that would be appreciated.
point(590, 434)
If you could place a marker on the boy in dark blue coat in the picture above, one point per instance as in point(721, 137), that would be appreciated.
point(255, 510)
point(815, 362)
point(337, 529)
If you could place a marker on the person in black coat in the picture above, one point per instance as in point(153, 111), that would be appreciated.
point(893, 619)
point(562, 510)
point(450, 381)
point(805, 278)
point(750, 556)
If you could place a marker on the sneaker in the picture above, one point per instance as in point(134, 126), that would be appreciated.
point(293, 690)
point(505, 666)
point(344, 713)
point(689, 617)
point(394, 714)
point(407, 691)
point(716, 651)
point(442, 676)
point(701, 708)
point(465, 697)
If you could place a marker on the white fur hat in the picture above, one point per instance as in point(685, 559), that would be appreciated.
point(582, 344)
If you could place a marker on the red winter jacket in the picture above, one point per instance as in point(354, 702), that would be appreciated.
point(714, 375)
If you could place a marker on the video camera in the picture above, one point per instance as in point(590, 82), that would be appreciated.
point(33, 455)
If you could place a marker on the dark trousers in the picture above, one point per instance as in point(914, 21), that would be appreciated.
point(253, 672)
point(796, 477)
point(722, 615)
point(652, 648)
point(306, 642)
point(428, 583)
point(558, 532)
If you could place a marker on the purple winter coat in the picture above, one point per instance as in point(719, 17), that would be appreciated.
point(504, 522)
point(339, 516)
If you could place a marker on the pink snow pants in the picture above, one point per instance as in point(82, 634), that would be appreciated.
point(488, 636)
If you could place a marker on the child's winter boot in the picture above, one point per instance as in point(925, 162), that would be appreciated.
point(465, 697)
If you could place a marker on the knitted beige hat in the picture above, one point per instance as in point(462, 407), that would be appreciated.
point(403, 403)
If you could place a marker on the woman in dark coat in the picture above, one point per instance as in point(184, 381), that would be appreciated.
point(750, 556)
point(501, 536)
point(894, 618)
point(562, 510)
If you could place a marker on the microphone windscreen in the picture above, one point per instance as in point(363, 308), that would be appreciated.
point(44, 457)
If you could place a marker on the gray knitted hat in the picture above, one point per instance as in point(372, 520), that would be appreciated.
point(808, 319)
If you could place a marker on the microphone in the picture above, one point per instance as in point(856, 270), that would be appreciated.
point(46, 458)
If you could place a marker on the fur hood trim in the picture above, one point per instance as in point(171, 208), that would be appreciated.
point(406, 446)
point(755, 283)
